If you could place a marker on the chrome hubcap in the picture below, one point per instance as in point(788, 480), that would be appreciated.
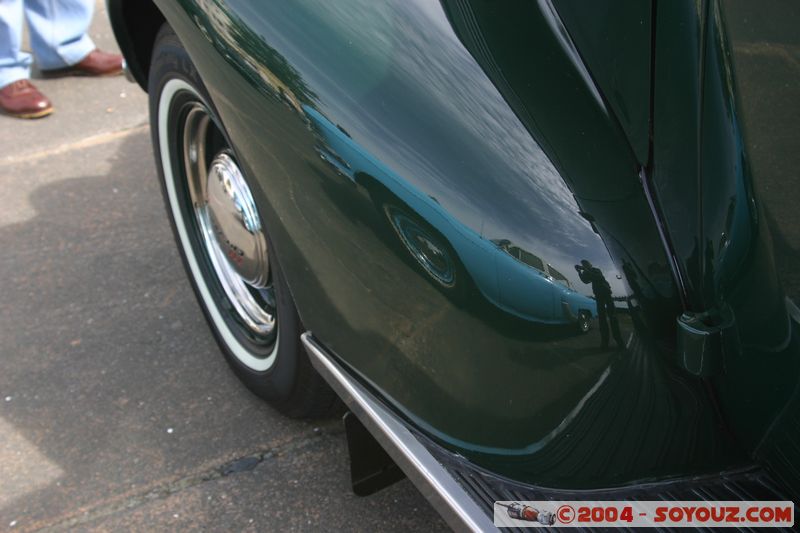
point(235, 222)
point(229, 224)
point(423, 247)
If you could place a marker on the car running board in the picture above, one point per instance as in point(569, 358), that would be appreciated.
point(435, 483)
point(464, 494)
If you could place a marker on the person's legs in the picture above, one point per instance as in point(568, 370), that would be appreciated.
point(58, 30)
point(18, 96)
point(612, 319)
point(14, 63)
point(602, 320)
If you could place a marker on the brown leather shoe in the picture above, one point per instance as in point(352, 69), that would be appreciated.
point(97, 63)
point(23, 100)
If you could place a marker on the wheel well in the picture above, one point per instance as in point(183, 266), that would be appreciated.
point(135, 24)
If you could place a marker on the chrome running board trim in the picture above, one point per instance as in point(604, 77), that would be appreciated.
point(434, 482)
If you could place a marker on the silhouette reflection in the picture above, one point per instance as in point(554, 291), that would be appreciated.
point(606, 311)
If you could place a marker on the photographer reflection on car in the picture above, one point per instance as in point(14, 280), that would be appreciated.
point(606, 312)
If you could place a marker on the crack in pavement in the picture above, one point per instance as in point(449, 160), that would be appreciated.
point(86, 142)
point(243, 463)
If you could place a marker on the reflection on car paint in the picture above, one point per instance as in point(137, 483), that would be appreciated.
point(511, 278)
point(494, 178)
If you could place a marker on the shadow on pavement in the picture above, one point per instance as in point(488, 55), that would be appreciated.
point(116, 407)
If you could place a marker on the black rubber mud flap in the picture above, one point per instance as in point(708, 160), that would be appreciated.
point(371, 468)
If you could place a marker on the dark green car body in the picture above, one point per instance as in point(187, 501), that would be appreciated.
point(656, 140)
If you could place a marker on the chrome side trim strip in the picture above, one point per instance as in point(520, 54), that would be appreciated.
point(430, 477)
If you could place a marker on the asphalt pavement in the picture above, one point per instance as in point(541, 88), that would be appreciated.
point(117, 411)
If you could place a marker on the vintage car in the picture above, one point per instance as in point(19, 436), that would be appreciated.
point(408, 205)
point(454, 257)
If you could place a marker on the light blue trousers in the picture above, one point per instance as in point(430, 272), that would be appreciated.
point(57, 35)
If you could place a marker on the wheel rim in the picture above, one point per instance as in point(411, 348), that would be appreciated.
point(218, 226)
point(425, 248)
point(229, 225)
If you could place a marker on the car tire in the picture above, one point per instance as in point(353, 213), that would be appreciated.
point(236, 276)
point(584, 323)
point(405, 230)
